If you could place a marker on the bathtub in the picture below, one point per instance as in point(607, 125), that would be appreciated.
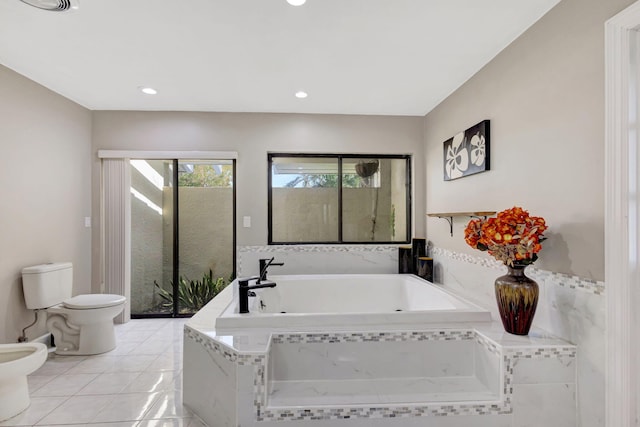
point(348, 300)
point(341, 354)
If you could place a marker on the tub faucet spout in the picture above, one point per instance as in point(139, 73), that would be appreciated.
point(244, 288)
point(264, 264)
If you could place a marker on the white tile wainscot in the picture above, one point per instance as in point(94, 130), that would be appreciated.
point(466, 376)
point(569, 307)
point(320, 259)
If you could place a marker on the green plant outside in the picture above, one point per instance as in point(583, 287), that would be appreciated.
point(192, 294)
point(206, 176)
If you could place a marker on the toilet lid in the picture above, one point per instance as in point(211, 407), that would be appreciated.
point(88, 301)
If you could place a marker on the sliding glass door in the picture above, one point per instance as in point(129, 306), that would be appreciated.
point(182, 234)
point(205, 230)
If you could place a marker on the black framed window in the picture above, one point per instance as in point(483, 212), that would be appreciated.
point(339, 198)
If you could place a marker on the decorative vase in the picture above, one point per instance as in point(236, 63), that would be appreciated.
point(405, 260)
point(425, 268)
point(517, 297)
point(418, 249)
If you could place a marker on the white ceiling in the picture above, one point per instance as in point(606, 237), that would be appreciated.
point(395, 57)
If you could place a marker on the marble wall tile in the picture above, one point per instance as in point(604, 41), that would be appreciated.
point(246, 400)
point(474, 282)
point(568, 307)
point(580, 317)
point(252, 377)
point(365, 360)
point(320, 259)
point(211, 379)
point(564, 280)
point(551, 370)
point(536, 405)
point(487, 367)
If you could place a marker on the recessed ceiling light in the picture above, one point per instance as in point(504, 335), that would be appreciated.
point(148, 90)
point(296, 2)
point(301, 94)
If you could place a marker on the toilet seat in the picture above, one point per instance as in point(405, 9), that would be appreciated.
point(92, 301)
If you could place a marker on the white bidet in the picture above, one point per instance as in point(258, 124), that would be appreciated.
point(16, 362)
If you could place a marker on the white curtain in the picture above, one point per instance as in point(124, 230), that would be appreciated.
point(116, 202)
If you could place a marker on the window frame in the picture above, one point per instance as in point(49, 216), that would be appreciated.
point(408, 185)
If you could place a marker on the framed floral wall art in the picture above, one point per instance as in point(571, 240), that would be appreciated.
point(467, 153)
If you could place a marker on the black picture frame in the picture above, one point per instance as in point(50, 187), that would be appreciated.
point(467, 153)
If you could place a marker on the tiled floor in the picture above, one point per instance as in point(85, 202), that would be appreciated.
point(137, 384)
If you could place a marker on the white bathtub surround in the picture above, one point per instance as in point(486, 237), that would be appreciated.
point(458, 376)
point(350, 369)
point(301, 302)
point(569, 307)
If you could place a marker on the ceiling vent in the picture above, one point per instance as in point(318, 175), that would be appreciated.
point(53, 5)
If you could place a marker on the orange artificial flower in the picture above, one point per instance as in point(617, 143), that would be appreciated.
point(512, 237)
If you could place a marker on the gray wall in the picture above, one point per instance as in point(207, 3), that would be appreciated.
point(252, 135)
point(544, 95)
point(45, 171)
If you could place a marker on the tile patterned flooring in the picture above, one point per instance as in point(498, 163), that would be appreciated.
point(139, 384)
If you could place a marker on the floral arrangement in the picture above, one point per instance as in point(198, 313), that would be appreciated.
point(512, 237)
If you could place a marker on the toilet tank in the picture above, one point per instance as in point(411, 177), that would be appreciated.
point(46, 285)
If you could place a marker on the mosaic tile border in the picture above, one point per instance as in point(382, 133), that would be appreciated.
point(501, 407)
point(342, 337)
point(390, 411)
point(487, 343)
point(211, 344)
point(330, 414)
point(558, 279)
point(542, 352)
point(260, 362)
point(510, 355)
point(228, 353)
point(318, 248)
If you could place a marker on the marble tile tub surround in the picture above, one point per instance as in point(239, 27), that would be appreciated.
point(328, 259)
point(320, 259)
point(558, 279)
point(542, 368)
point(569, 307)
point(531, 369)
point(337, 368)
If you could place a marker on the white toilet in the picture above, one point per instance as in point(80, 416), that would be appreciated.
point(16, 362)
point(80, 325)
